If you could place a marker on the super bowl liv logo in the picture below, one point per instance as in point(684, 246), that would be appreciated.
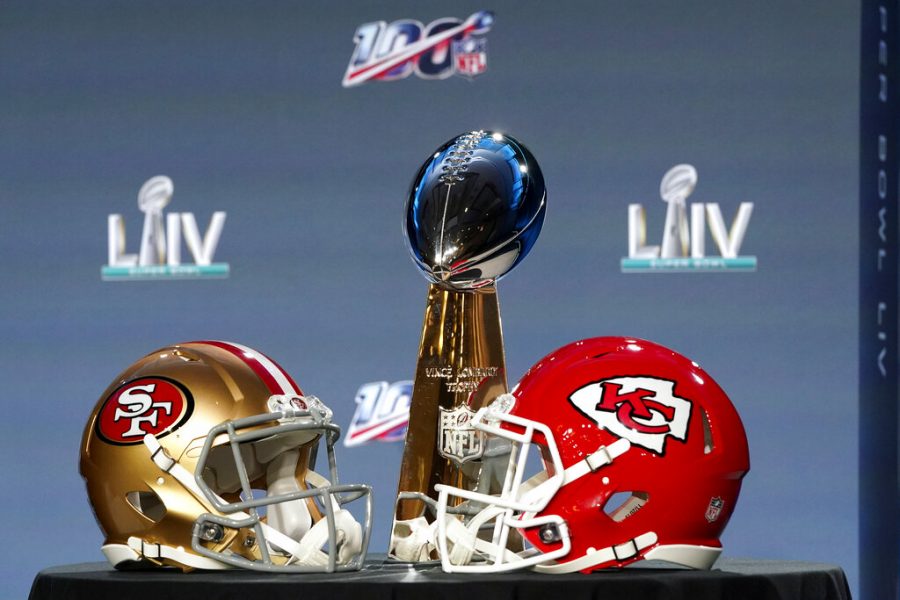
point(159, 256)
point(445, 47)
point(683, 246)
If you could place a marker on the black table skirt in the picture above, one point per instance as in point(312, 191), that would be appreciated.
point(731, 579)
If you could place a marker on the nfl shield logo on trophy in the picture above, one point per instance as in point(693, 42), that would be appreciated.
point(457, 439)
point(470, 56)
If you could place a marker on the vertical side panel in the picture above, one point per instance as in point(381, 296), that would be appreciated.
point(878, 276)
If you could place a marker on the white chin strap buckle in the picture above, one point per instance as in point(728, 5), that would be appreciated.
point(626, 550)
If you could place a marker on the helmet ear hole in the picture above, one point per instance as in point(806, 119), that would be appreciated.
point(147, 504)
point(708, 442)
point(622, 505)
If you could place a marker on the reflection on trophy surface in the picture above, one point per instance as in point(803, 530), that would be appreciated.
point(474, 210)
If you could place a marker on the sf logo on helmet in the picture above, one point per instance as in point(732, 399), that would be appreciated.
point(148, 405)
point(643, 410)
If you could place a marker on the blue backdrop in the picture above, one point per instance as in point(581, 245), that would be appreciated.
point(241, 105)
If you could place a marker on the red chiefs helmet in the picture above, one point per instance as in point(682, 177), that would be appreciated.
point(642, 457)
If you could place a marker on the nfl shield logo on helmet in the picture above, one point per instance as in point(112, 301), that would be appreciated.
point(457, 439)
point(714, 509)
point(470, 56)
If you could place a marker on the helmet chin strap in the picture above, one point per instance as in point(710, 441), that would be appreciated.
point(291, 517)
point(417, 543)
point(306, 552)
point(594, 557)
point(466, 542)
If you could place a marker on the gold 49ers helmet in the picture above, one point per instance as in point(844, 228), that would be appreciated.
point(201, 456)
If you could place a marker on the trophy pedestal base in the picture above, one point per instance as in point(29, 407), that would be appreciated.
point(734, 579)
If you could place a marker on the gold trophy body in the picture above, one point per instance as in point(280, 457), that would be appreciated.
point(474, 211)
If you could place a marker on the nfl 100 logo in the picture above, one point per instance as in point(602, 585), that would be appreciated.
point(382, 413)
point(445, 47)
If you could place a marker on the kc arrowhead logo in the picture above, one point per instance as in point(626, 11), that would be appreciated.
point(643, 410)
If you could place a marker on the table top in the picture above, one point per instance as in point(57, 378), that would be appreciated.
point(730, 578)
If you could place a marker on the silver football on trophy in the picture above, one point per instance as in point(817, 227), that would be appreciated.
point(474, 210)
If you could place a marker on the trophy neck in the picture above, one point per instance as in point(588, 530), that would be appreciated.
point(462, 329)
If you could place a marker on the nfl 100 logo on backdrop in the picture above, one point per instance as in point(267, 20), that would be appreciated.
point(159, 256)
point(382, 413)
point(445, 47)
point(683, 246)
